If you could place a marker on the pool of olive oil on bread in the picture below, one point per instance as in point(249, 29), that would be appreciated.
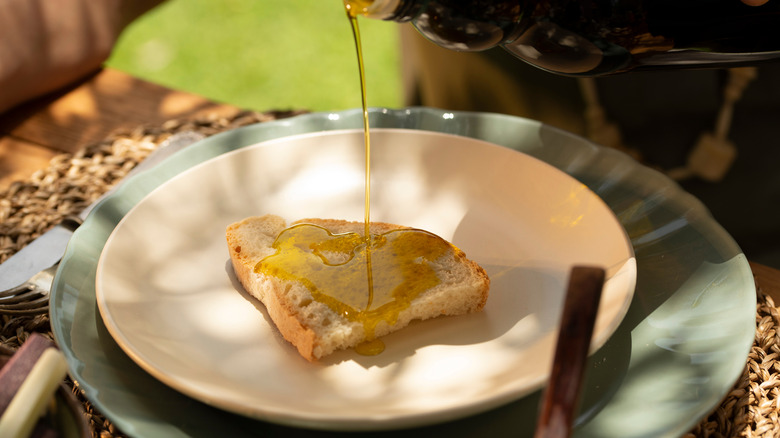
point(326, 288)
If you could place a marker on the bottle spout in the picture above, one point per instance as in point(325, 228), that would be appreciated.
point(377, 9)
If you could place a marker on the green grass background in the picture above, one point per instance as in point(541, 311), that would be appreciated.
point(262, 54)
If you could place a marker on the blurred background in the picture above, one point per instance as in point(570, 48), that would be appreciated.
point(263, 54)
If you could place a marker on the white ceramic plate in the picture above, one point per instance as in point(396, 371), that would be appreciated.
point(166, 292)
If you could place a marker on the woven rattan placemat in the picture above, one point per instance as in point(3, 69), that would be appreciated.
point(72, 181)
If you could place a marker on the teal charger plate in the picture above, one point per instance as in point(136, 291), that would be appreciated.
point(678, 351)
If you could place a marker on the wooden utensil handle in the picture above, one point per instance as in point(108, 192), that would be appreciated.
point(571, 352)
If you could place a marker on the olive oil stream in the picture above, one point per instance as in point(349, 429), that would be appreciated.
point(368, 278)
point(364, 102)
point(371, 346)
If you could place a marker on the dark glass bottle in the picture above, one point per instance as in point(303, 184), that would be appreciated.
point(596, 37)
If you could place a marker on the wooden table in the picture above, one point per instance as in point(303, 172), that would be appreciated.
point(32, 134)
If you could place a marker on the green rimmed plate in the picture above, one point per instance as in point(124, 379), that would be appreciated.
point(679, 349)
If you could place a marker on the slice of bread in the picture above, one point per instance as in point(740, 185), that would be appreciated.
point(310, 325)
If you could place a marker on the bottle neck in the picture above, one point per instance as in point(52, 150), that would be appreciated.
point(390, 10)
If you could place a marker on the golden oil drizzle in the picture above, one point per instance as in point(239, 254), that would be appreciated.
point(333, 268)
point(372, 346)
point(352, 16)
point(365, 278)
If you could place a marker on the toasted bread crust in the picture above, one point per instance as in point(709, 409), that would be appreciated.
point(282, 313)
point(249, 241)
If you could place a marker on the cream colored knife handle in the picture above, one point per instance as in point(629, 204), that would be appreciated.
point(30, 400)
